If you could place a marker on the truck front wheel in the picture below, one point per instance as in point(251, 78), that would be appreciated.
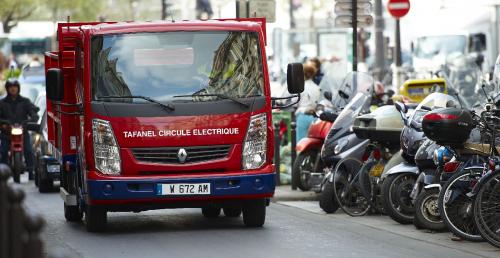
point(210, 211)
point(254, 213)
point(95, 219)
point(72, 213)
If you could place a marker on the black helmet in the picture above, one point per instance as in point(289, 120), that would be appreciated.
point(12, 82)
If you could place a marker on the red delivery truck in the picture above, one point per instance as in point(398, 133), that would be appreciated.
point(170, 114)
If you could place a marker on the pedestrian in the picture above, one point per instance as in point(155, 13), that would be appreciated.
point(316, 63)
point(12, 62)
point(307, 104)
point(16, 110)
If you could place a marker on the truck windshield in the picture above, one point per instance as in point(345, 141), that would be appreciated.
point(167, 64)
point(428, 47)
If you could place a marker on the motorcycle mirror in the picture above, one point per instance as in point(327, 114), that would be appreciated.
point(33, 127)
point(343, 95)
point(401, 107)
point(328, 95)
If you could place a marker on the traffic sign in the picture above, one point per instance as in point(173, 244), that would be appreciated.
point(257, 8)
point(345, 8)
point(345, 21)
point(398, 8)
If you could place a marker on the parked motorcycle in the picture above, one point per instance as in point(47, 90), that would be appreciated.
point(308, 162)
point(341, 142)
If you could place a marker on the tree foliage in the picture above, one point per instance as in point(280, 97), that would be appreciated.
point(13, 11)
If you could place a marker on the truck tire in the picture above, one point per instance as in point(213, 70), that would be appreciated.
point(95, 219)
point(72, 213)
point(327, 200)
point(254, 213)
point(232, 212)
point(17, 166)
point(210, 211)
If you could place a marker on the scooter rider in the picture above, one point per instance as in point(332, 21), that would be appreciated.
point(17, 110)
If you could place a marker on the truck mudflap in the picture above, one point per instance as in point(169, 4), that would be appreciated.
point(153, 190)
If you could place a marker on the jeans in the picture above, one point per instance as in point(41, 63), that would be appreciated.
point(27, 148)
point(303, 123)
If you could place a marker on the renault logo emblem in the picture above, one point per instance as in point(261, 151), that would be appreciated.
point(182, 155)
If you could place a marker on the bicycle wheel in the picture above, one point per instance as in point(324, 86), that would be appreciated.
point(487, 210)
point(348, 189)
point(455, 206)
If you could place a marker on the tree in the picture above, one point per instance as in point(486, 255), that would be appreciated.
point(79, 10)
point(13, 11)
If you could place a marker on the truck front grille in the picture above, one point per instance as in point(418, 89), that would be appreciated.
point(181, 155)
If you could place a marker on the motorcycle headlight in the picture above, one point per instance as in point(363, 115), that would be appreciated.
point(255, 145)
point(340, 146)
point(16, 131)
point(106, 150)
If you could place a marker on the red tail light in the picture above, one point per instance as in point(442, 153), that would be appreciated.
point(376, 154)
point(451, 167)
point(365, 157)
point(437, 117)
point(491, 164)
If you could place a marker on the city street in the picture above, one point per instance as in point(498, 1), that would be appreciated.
point(292, 229)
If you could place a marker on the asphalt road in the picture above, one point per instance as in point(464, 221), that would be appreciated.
point(292, 229)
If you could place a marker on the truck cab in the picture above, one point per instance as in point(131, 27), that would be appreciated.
point(153, 115)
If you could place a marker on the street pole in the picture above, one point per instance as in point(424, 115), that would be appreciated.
point(354, 22)
point(163, 9)
point(379, 41)
point(292, 19)
point(396, 74)
point(397, 43)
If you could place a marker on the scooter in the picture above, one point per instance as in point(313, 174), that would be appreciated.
point(341, 142)
point(398, 181)
point(308, 163)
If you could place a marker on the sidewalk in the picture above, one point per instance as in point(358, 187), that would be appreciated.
point(285, 193)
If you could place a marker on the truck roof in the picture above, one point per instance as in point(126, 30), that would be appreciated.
point(159, 26)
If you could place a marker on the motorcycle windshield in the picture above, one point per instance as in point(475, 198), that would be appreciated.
point(432, 101)
point(352, 83)
point(465, 78)
point(350, 112)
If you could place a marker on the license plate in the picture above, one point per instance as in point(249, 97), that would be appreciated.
point(377, 170)
point(53, 168)
point(416, 91)
point(184, 189)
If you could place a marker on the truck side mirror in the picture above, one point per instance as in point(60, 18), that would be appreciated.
point(54, 84)
point(477, 42)
point(295, 78)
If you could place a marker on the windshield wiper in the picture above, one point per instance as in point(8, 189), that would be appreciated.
point(221, 96)
point(168, 107)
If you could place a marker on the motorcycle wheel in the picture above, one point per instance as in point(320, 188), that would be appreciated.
point(455, 206)
point(347, 188)
point(303, 165)
point(327, 200)
point(486, 215)
point(396, 199)
point(427, 212)
point(17, 166)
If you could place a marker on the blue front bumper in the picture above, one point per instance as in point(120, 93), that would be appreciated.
point(222, 186)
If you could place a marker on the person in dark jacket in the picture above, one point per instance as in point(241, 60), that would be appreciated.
point(16, 109)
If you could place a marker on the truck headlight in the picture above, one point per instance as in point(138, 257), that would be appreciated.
point(106, 150)
point(255, 145)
